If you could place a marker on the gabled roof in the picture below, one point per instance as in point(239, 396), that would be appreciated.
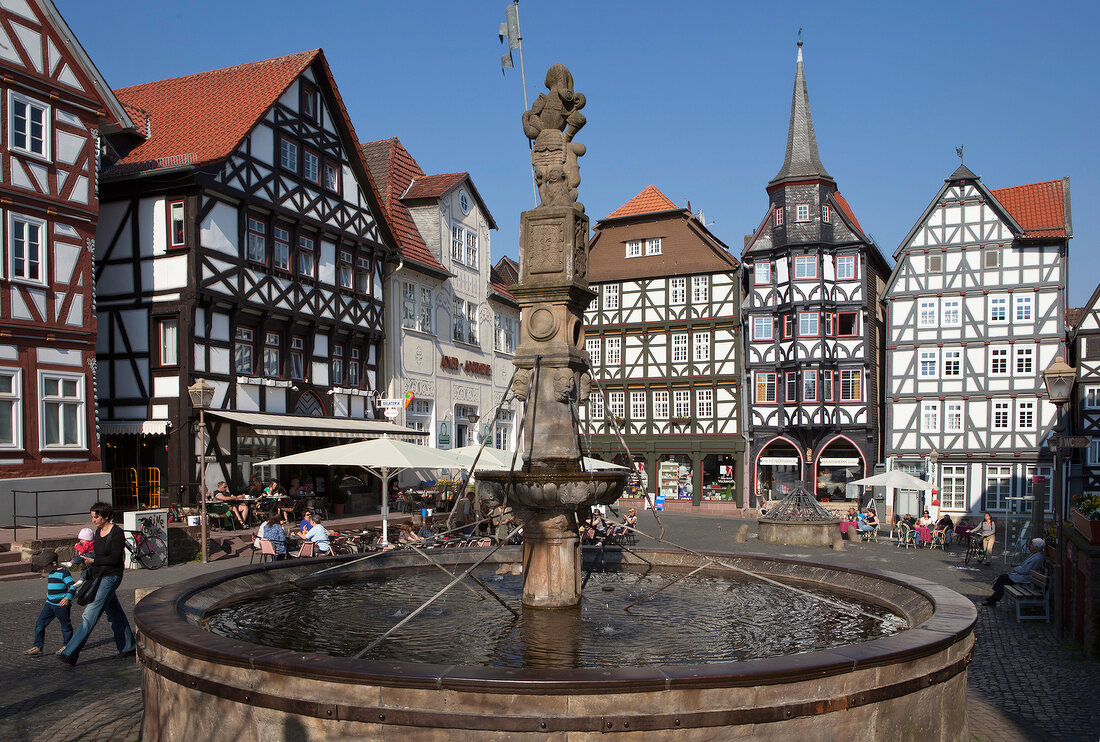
point(432, 187)
point(1041, 209)
point(393, 169)
point(802, 160)
point(501, 276)
point(649, 201)
point(842, 204)
point(202, 118)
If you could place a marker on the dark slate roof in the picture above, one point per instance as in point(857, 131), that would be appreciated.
point(962, 173)
point(802, 160)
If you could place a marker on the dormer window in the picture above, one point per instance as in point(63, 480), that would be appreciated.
point(802, 213)
point(634, 249)
point(309, 102)
point(779, 217)
point(653, 246)
point(826, 217)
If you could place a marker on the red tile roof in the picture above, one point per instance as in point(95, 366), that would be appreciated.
point(848, 213)
point(202, 118)
point(1039, 208)
point(649, 201)
point(501, 277)
point(140, 119)
point(393, 169)
point(432, 186)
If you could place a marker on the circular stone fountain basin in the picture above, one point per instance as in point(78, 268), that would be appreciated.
point(909, 685)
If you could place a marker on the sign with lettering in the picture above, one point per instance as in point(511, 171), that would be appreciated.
point(444, 434)
point(448, 362)
point(391, 403)
point(391, 412)
point(482, 369)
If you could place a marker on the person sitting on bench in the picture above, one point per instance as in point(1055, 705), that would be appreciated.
point(1020, 574)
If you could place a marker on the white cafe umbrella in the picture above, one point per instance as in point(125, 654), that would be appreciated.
point(491, 459)
point(599, 465)
point(894, 480)
point(382, 457)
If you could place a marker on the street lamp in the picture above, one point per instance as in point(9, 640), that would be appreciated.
point(202, 395)
point(1058, 378)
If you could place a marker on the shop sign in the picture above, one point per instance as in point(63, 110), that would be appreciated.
point(387, 403)
point(448, 362)
point(725, 474)
point(391, 412)
point(444, 434)
point(825, 461)
point(779, 460)
point(483, 369)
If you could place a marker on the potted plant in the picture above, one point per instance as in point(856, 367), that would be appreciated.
point(1086, 517)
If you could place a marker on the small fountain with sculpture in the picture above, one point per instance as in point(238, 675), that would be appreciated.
point(667, 641)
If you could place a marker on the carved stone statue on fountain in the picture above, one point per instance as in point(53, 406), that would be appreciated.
point(553, 366)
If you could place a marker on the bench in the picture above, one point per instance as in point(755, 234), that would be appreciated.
point(1033, 593)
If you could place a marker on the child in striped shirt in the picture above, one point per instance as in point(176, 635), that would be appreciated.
point(59, 595)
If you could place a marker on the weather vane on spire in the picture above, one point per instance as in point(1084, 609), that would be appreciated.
point(959, 152)
point(800, 35)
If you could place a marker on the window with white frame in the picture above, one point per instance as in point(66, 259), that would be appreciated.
point(704, 403)
point(416, 307)
point(332, 176)
point(827, 385)
point(680, 348)
point(952, 312)
point(1094, 452)
point(681, 403)
point(613, 347)
point(62, 423)
point(930, 417)
point(169, 330)
point(826, 216)
point(1092, 397)
point(306, 260)
point(953, 487)
point(616, 404)
point(27, 248)
point(762, 328)
point(595, 406)
point(845, 267)
point(767, 384)
point(611, 296)
point(1025, 414)
point(762, 273)
point(998, 309)
point(175, 224)
point(281, 253)
point(504, 335)
point(634, 248)
point(998, 486)
point(243, 350)
point(792, 387)
point(288, 154)
point(465, 322)
point(1025, 360)
point(802, 213)
point(998, 361)
point(637, 406)
point(926, 313)
point(1000, 414)
point(953, 417)
point(851, 385)
point(593, 346)
point(805, 266)
point(419, 414)
point(345, 270)
point(256, 247)
point(1023, 308)
point(809, 385)
point(311, 167)
point(337, 365)
point(700, 342)
point(808, 324)
point(29, 126)
point(353, 369)
point(677, 291)
point(458, 243)
point(472, 259)
point(828, 324)
point(297, 357)
point(363, 275)
point(788, 324)
point(928, 363)
point(653, 246)
point(779, 217)
point(11, 413)
point(700, 289)
point(952, 362)
point(660, 405)
point(272, 346)
point(1029, 486)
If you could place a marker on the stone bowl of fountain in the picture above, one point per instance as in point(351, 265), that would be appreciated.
point(799, 520)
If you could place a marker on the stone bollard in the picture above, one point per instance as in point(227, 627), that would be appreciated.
point(742, 534)
point(838, 542)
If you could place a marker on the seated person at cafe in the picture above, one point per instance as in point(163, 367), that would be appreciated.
point(305, 525)
point(406, 535)
point(294, 490)
point(925, 520)
point(239, 509)
point(274, 489)
point(868, 521)
point(317, 533)
point(272, 530)
point(946, 525)
point(426, 530)
point(254, 489)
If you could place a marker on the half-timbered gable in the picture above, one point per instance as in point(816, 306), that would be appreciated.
point(976, 313)
point(813, 328)
point(246, 246)
point(56, 109)
point(453, 324)
point(1084, 353)
point(664, 338)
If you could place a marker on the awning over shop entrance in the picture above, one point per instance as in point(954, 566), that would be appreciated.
point(317, 427)
point(133, 427)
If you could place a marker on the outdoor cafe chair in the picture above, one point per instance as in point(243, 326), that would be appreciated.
point(307, 549)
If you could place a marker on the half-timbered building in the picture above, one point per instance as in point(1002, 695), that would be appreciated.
point(1084, 354)
point(664, 339)
point(56, 110)
point(976, 309)
point(449, 348)
point(241, 242)
point(812, 281)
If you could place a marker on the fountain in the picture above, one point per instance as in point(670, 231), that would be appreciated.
point(799, 520)
point(201, 683)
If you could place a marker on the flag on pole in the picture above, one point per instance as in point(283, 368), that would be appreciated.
point(510, 30)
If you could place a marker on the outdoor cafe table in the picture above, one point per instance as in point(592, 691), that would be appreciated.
point(925, 534)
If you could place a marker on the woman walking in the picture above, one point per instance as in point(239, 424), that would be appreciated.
point(107, 567)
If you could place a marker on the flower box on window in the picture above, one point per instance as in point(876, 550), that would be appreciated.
point(1090, 529)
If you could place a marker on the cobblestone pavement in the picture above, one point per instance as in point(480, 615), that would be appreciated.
point(1024, 683)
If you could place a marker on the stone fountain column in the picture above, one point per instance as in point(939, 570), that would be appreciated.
point(553, 365)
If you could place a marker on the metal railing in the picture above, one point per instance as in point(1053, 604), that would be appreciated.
point(38, 516)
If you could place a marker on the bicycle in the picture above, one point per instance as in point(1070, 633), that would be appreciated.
point(975, 550)
point(148, 549)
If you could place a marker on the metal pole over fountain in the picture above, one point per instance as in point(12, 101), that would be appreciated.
point(552, 365)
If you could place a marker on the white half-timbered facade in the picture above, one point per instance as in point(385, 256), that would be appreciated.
point(813, 327)
point(450, 328)
point(1084, 353)
point(976, 308)
point(56, 108)
point(664, 338)
point(242, 243)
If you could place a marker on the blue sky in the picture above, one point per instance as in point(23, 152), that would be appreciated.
point(691, 97)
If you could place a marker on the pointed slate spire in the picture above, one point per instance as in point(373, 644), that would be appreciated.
point(802, 160)
point(962, 173)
